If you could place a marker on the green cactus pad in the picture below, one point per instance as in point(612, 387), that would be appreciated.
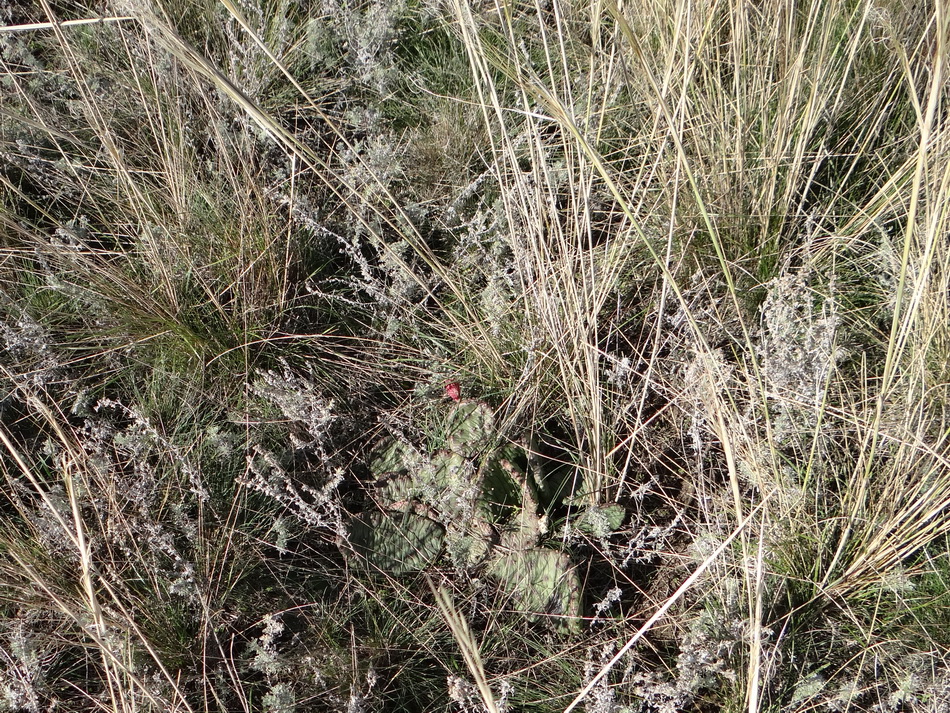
point(468, 544)
point(448, 470)
point(501, 485)
point(470, 428)
point(523, 530)
point(396, 542)
point(600, 520)
point(540, 582)
point(396, 493)
point(393, 456)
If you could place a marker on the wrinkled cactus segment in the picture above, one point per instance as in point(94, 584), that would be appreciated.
point(469, 544)
point(393, 456)
point(600, 520)
point(540, 582)
point(447, 469)
point(396, 542)
point(526, 526)
point(396, 493)
point(470, 428)
point(501, 490)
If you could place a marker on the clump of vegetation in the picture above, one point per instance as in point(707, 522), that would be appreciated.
point(403, 355)
point(477, 499)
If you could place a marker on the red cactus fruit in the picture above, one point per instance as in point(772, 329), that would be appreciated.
point(453, 391)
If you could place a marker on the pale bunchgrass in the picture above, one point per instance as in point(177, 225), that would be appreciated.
point(815, 59)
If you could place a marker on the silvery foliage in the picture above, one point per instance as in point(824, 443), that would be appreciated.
point(604, 605)
point(310, 417)
point(706, 658)
point(464, 694)
point(300, 402)
point(602, 698)
point(280, 696)
point(133, 457)
point(21, 665)
point(797, 349)
point(27, 344)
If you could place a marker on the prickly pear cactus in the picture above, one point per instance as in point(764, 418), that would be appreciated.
point(538, 581)
point(469, 496)
point(394, 456)
point(460, 488)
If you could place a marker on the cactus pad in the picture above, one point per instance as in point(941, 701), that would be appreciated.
point(396, 542)
point(393, 456)
point(600, 520)
point(540, 582)
point(448, 470)
point(396, 493)
point(501, 491)
point(467, 493)
point(470, 428)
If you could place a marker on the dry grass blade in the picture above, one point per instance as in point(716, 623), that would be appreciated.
point(65, 23)
point(467, 644)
